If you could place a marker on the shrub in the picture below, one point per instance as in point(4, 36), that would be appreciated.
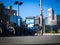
point(58, 30)
point(51, 31)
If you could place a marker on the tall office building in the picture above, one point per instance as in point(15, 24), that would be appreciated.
point(52, 19)
point(50, 15)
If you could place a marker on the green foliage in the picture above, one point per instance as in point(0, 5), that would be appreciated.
point(51, 31)
point(58, 30)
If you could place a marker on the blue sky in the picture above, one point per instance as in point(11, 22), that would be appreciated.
point(31, 7)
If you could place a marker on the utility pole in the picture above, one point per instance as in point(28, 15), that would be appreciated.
point(41, 16)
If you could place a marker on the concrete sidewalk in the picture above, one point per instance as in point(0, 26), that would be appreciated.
point(47, 34)
point(51, 34)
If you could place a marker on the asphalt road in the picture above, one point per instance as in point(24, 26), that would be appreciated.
point(46, 39)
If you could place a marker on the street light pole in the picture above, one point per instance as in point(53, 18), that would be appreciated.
point(19, 19)
point(18, 3)
point(18, 9)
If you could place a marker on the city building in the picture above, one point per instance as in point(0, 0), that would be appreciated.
point(30, 20)
point(52, 21)
point(10, 11)
point(33, 20)
point(58, 21)
point(37, 20)
point(46, 20)
point(8, 14)
point(16, 19)
point(5, 13)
